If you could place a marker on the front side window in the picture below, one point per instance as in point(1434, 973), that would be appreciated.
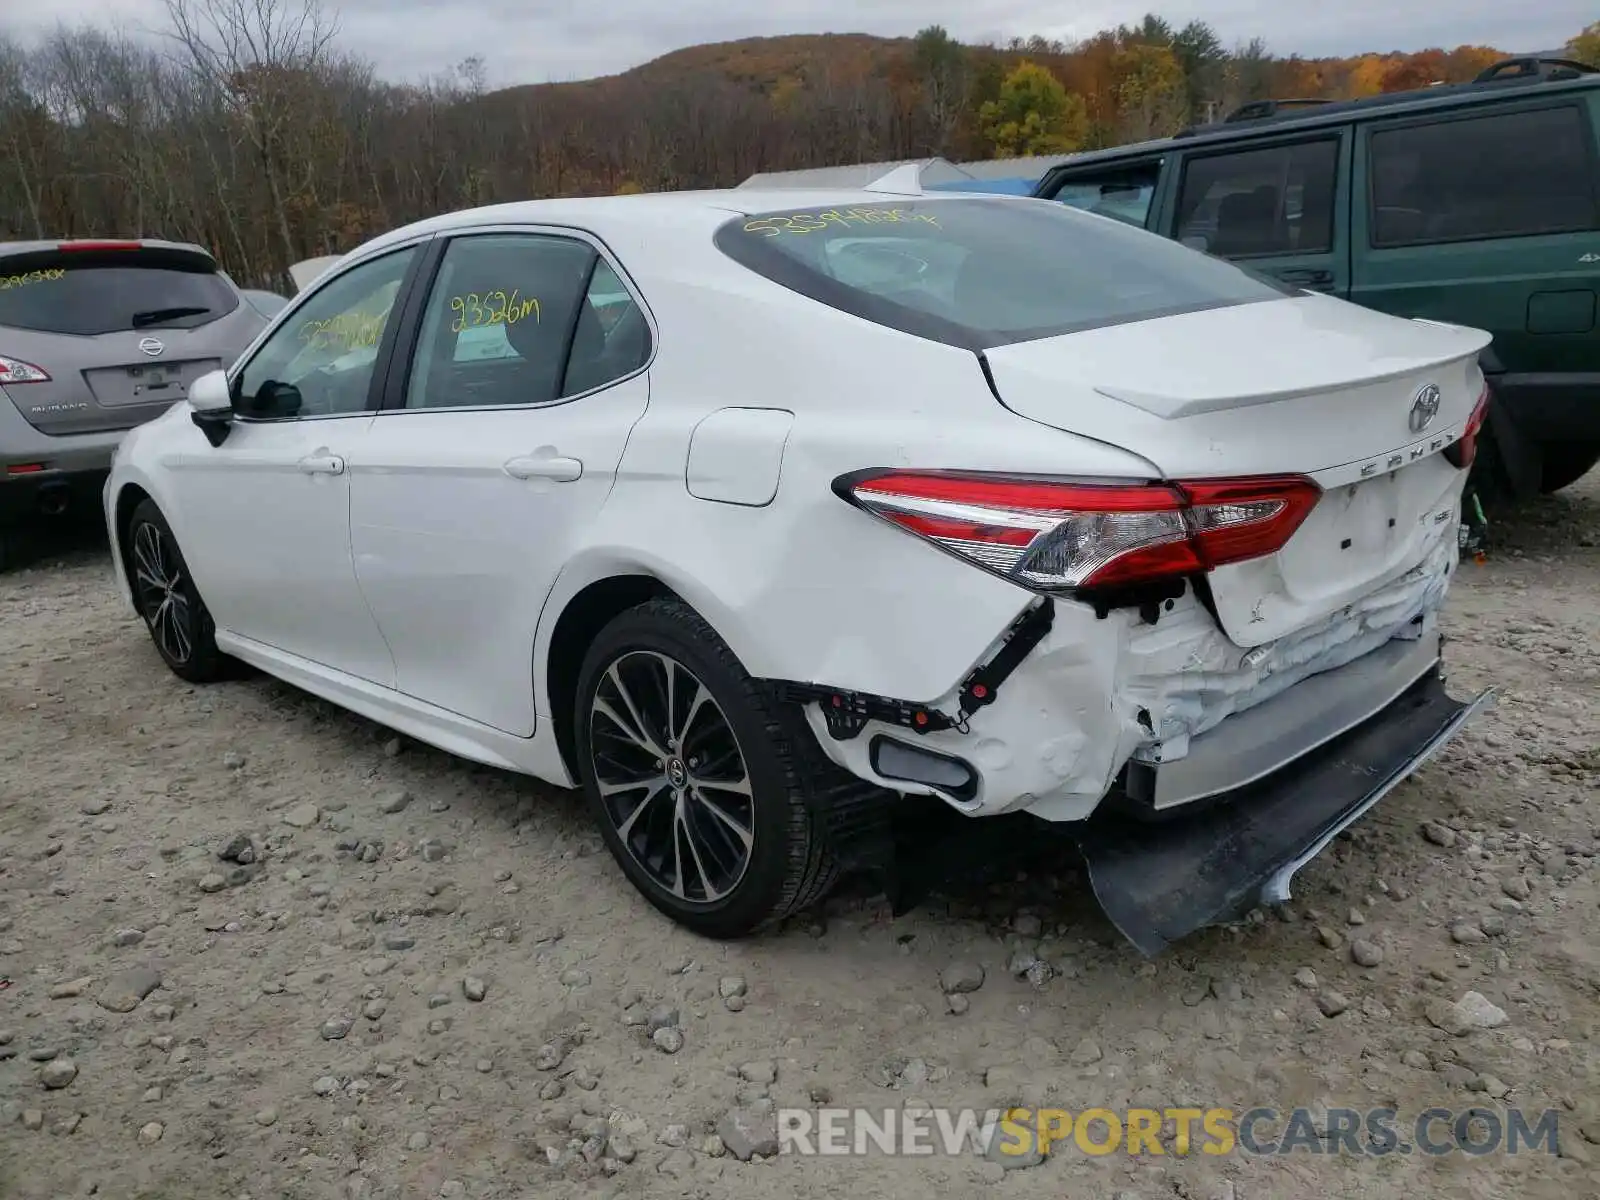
point(517, 319)
point(983, 271)
point(1123, 192)
point(319, 362)
point(1507, 175)
point(1277, 200)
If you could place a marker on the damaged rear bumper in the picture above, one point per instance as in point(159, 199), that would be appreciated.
point(1159, 882)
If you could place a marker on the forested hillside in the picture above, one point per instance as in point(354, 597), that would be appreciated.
point(256, 130)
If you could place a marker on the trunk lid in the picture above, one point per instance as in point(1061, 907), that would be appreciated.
point(121, 329)
point(1307, 386)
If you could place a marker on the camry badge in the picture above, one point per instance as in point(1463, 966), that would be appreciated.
point(1424, 408)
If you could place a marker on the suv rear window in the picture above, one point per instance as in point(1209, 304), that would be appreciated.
point(979, 272)
point(88, 293)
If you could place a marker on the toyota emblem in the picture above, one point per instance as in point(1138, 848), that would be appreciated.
point(1424, 408)
point(154, 346)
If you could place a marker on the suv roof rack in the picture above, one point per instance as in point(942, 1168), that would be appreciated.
point(1533, 65)
point(1254, 110)
point(1528, 69)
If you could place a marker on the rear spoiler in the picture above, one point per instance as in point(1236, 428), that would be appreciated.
point(16, 257)
point(305, 273)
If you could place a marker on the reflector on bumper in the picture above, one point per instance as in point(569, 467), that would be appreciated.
point(1160, 882)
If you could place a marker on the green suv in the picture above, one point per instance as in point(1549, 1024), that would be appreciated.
point(1476, 204)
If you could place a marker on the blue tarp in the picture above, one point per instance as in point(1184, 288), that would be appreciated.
point(1004, 187)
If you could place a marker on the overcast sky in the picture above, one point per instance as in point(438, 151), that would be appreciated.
point(408, 39)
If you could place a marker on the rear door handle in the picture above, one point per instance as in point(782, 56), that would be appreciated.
point(529, 466)
point(322, 463)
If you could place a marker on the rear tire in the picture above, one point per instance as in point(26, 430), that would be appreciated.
point(698, 778)
point(1567, 462)
point(167, 599)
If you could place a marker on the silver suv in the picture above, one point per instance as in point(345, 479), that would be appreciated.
point(95, 338)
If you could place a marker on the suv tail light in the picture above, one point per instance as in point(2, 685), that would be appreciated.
point(1063, 536)
point(1461, 454)
point(14, 370)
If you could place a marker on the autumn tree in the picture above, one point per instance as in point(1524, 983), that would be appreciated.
point(1150, 90)
point(1585, 48)
point(944, 79)
point(258, 56)
point(1034, 114)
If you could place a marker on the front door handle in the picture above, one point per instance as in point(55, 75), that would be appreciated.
point(322, 463)
point(532, 466)
point(1307, 276)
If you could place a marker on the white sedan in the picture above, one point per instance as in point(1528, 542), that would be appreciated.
point(762, 516)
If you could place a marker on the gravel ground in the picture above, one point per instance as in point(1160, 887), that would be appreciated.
point(259, 947)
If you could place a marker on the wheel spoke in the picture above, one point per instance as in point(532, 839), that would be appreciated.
point(746, 838)
point(676, 886)
point(639, 731)
point(700, 700)
point(708, 890)
point(657, 788)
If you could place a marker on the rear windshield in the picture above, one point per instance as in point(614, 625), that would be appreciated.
point(979, 272)
point(72, 293)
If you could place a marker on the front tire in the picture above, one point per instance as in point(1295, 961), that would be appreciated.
point(165, 593)
point(696, 776)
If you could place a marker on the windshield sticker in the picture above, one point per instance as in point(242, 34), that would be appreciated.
point(841, 218)
point(493, 308)
point(49, 275)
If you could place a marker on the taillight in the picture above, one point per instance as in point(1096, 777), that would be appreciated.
point(1062, 536)
point(92, 246)
point(14, 370)
point(1460, 454)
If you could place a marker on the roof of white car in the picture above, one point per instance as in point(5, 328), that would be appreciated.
point(698, 210)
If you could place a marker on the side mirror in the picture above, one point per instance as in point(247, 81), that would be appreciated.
point(211, 405)
point(1198, 241)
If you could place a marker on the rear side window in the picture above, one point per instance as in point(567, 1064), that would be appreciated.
point(1277, 200)
point(89, 293)
point(1507, 175)
point(979, 272)
point(1123, 192)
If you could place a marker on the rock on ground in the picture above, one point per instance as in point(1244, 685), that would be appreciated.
point(219, 1082)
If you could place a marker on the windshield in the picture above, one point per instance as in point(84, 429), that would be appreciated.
point(84, 294)
point(984, 271)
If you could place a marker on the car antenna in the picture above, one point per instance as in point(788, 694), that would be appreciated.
point(904, 180)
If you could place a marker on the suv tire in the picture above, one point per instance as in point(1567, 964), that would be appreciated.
point(697, 776)
point(1566, 463)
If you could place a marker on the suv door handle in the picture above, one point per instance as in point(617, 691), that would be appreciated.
point(1310, 276)
point(321, 462)
point(530, 466)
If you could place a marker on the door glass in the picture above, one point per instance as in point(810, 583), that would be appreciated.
point(1123, 192)
point(1273, 201)
point(500, 320)
point(1508, 175)
point(320, 361)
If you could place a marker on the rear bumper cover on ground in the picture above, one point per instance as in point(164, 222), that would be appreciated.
point(1159, 882)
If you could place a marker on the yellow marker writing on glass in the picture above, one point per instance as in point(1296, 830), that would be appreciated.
point(49, 275)
point(493, 308)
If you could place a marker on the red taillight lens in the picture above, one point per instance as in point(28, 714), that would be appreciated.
point(1061, 536)
point(14, 370)
point(1463, 452)
point(91, 246)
